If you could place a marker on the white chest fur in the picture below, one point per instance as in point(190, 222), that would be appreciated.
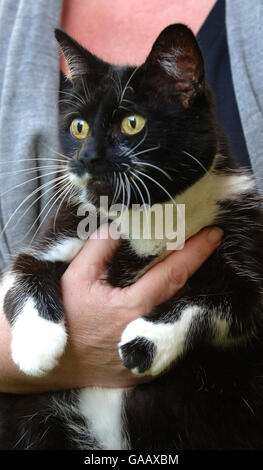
point(201, 208)
point(102, 408)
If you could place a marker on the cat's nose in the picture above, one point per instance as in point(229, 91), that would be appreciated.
point(91, 157)
point(90, 160)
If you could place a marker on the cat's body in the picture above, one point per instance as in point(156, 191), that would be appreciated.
point(211, 332)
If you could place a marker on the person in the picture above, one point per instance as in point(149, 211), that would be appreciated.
point(96, 314)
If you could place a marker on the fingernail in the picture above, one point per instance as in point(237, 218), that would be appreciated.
point(215, 235)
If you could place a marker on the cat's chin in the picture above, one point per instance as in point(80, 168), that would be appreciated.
point(99, 189)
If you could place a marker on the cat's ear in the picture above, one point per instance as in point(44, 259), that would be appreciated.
point(79, 60)
point(176, 60)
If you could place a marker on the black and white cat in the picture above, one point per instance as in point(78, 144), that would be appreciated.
point(147, 134)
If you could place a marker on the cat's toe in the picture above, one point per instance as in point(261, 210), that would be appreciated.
point(137, 349)
point(148, 348)
point(137, 354)
point(37, 343)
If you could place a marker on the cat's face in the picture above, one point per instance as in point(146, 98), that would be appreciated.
point(139, 134)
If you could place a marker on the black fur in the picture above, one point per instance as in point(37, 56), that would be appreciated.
point(211, 396)
point(139, 353)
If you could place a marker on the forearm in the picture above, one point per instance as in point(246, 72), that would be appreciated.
point(69, 373)
point(97, 314)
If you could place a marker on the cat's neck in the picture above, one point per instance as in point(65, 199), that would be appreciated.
point(166, 226)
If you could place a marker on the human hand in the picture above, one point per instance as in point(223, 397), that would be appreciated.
point(97, 313)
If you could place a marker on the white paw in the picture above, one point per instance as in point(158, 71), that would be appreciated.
point(156, 337)
point(148, 348)
point(37, 344)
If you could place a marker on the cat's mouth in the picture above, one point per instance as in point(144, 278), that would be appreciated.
point(100, 186)
point(100, 192)
point(95, 187)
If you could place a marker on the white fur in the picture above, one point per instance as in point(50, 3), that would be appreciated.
point(221, 326)
point(63, 250)
point(102, 408)
point(169, 338)
point(201, 209)
point(222, 338)
point(37, 343)
point(168, 61)
point(79, 180)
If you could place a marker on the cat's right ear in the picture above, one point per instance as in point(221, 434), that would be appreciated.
point(175, 63)
point(80, 61)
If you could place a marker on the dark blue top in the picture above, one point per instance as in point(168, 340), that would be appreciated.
point(213, 41)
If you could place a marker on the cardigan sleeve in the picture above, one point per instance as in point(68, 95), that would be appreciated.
point(244, 22)
point(29, 80)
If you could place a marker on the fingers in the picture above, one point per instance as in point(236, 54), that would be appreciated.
point(92, 260)
point(164, 279)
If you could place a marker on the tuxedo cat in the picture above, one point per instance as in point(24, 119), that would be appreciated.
point(147, 135)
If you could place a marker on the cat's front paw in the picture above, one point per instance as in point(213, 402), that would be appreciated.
point(37, 343)
point(147, 348)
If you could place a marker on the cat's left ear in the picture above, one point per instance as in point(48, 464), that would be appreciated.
point(79, 60)
point(176, 61)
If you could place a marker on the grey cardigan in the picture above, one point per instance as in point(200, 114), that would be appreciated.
point(29, 79)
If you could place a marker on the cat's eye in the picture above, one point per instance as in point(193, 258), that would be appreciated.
point(79, 128)
point(133, 124)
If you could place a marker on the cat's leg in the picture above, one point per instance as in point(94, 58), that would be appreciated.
point(32, 304)
point(149, 346)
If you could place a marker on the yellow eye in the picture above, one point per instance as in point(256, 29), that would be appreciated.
point(133, 124)
point(79, 128)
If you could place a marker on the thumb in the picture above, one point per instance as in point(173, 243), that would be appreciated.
point(93, 258)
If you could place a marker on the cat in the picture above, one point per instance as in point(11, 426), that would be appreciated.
point(147, 134)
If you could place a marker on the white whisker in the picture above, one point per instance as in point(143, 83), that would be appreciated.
point(50, 208)
point(28, 181)
point(127, 83)
point(55, 159)
point(61, 202)
point(68, 102)
point(145, 187)
point(130, 151)
point(75, 95)
point(158, 184)
point(119, 187)
point(128, 101)
point(42, 210)
point(196, 160)
point(124, 107)
point(128, 189)
point(28, 197)
point(116, 184)
point(37, 168)
point(156, 167)
point(146, 150)
point(123, 194)
point(57, 153)
point(134, 190)
point(142, 199)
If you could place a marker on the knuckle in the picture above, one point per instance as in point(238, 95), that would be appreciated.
point(132, 303)
point(177, 275)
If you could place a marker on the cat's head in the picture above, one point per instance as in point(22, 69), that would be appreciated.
point(139, 134)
